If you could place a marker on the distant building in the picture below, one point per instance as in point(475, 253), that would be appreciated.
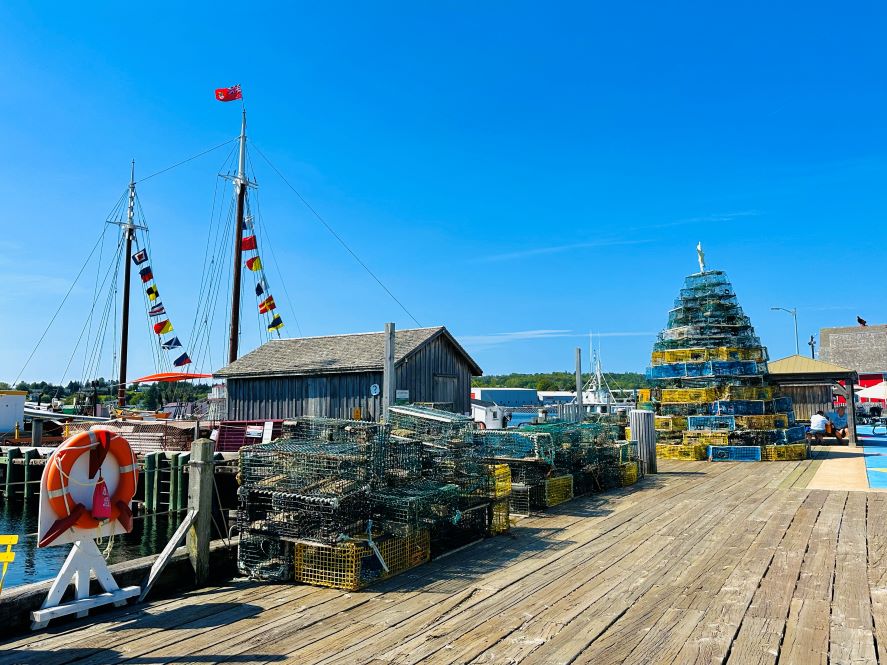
point(859, 348)
point(340, 376)
point(507, 396)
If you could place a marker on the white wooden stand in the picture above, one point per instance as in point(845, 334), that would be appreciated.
point(84, 559)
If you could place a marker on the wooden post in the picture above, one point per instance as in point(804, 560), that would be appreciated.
point(11, 455)
point(150, 464)
point(200, 499)
point(30, 454)
point(579, 408)
point(388, 378)
point(851, 413)
point(36, 432)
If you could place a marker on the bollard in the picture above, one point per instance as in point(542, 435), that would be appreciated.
point(200, 499)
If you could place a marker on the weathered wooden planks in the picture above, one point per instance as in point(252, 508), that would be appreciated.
point(704, 563)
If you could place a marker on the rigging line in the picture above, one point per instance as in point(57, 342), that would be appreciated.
point(336, 236)
point(86, 325)
point(267, 237)
point(62, 304)
point(185, 161)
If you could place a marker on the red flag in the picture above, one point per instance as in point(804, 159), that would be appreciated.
point(267, 305)
point(248, 243)
point(229, 94)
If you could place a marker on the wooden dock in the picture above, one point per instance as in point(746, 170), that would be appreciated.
point(703, 563)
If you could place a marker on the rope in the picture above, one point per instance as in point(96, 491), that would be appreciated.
point(59, 309)
point(185, 161)
point(337, 236)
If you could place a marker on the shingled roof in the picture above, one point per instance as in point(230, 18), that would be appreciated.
point(335, 354)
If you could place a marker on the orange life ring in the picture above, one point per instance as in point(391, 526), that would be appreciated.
point(62, 461)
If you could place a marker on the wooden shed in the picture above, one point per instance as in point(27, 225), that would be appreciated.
point(337, 375)
point(811, 384)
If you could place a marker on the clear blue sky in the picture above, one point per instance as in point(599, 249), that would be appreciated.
point(523, 173)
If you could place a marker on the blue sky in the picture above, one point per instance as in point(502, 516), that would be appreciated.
point(524, 173)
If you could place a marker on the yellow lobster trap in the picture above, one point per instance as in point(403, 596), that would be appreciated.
point(684, 452)
point(689, 395)
point(353, 565)
point(792, 451)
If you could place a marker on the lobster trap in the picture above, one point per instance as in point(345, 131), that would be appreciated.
point(265, 557)
point(427, 424)
point(792, 451)
point(353, 565)
point(629, 473)
point(510, 445)
point(681, 452)
point(711, 423)
point(519, 501)
point(555, 491)
point(469, 525)
point(500, 521)
point(301, 517)
point(405, 509)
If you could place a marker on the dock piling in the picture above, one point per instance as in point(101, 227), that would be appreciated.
point(200, 499)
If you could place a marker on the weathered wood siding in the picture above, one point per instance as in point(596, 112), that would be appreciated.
point(437, 363)
point(808, 399)
point(331, 395)
point(436, 372)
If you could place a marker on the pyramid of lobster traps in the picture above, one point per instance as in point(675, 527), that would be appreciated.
point(712, 395)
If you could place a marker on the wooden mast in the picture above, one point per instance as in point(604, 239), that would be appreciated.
point(240, 188)
point(129, 230)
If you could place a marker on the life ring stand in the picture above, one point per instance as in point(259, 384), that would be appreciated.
point(97, 444)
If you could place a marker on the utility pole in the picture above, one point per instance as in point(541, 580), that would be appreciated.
point(240, 184)
point(579, 408)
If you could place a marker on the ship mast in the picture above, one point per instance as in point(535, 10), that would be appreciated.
point(241, 184)
point(129, 230)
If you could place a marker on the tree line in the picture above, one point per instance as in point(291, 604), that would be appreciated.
point(559, 381)
point(150, 397)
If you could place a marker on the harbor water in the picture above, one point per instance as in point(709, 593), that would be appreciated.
point(33, 564)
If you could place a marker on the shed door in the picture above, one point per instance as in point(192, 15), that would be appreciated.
point(318, 395)
point(444, 388)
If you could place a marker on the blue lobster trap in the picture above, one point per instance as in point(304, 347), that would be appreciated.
point(734, 453)
point(738, 407)
point(696, 423)
point(793, 434)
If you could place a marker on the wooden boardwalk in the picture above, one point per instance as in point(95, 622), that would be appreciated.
point(703, 563)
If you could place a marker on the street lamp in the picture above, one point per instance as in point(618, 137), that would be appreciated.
point(794, 312)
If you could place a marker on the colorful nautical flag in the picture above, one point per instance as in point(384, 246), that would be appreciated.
point(229, 94)
point(182, 360)
point(140, 256)
point(157, 310)
point(260, 287)
point(173, 343)
point(276, 323)
point(248, 243)
point(254, 264)
point(152, 292)
point(162, 327)
point(267, 305)
point(146, 274)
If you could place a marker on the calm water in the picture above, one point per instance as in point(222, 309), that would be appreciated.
point(149, 536)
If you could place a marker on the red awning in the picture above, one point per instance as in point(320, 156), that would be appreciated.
point(170, 377)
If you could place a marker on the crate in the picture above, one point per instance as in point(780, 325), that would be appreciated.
point(681, 451)
point(688, 395)
point(711, 422)
point(557, 490)
point(354, 565)
point(792, 451)
point(499, 517)
point(706, 438)
point(629, 473)
point(734, 453)
point(747, 392)
point(768, 421)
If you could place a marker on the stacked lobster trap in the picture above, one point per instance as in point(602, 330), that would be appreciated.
point(713, 399)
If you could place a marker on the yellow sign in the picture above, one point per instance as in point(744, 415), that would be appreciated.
point(8, 556)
